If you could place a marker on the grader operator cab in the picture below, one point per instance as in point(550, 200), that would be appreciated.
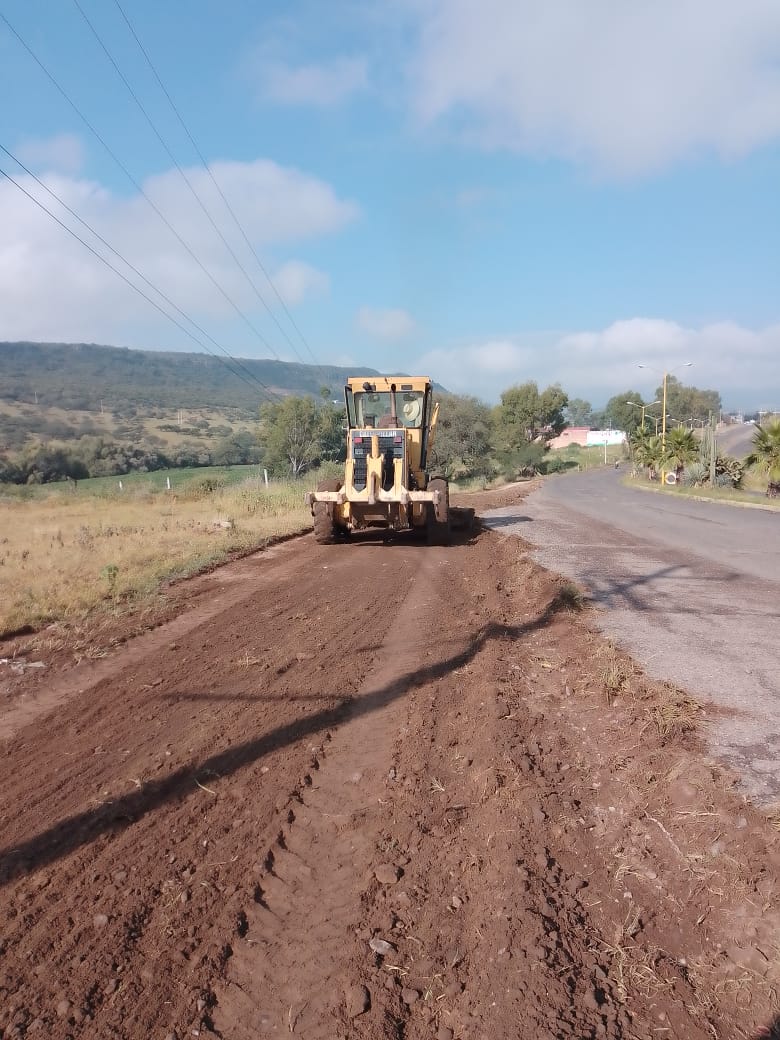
point(391, 423)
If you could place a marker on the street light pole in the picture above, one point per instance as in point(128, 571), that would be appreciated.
point(644, 408)
point(666, 374)
point(663, 413)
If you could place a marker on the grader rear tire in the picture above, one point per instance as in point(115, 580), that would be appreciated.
point(325, 530)
point(438, 525)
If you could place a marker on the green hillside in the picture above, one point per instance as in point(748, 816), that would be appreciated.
point(86, 377)
point(77, 410)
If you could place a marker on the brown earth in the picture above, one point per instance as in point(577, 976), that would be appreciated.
point(373, 791)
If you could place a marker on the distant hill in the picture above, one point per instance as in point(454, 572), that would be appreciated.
point(88, 377)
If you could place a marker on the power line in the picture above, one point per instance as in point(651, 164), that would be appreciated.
point(214, 181)
point(127, 281)
point(140, 274)
point(136, 185)
point(182, 173)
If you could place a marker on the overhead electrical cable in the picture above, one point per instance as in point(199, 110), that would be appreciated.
point(136, 185)
point(216, 184)
point(133, 286)
point(182, 173)
point(140, 274)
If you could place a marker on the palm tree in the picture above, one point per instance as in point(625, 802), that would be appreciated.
point(647, 450)
point(765, 455)
point(681, 448)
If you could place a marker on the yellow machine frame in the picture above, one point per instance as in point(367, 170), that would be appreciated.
point(385, 480)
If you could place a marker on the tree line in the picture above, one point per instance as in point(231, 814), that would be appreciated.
point(103, 457)
point(472, 439)
point(299, 434)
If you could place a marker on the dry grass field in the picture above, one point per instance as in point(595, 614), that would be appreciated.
point(65, 553)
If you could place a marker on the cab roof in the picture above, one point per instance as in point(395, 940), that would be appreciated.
point(382, 383)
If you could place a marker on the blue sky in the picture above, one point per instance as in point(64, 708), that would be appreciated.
point(485, 192)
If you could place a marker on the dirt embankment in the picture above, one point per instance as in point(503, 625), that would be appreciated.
point(375, 791)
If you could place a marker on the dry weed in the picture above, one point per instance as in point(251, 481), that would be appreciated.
point(675, 713)
point(64, 553)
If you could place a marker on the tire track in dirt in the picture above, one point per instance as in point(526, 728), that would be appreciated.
point(141, 803)
point(391, 745)
point(310, 892)
point(213, 594)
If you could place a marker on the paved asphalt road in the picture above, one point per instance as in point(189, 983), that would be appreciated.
point(736, 440)
point(691, 589)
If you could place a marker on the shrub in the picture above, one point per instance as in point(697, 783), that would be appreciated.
point(203, 486)
point(695, 474)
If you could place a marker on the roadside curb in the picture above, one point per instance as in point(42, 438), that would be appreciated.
point(703, 498)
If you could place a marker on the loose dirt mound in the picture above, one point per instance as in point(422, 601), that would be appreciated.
point(369, 791)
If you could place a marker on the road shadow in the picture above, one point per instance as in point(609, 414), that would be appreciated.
point(82, 829)
point(508, 520)
point(622, 593)
point(769, 1032)
point(373, 536)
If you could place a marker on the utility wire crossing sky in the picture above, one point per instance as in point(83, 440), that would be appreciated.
point(484, 193)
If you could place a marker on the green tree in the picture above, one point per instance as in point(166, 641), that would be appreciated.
point(239, 449)
point(50, 462)
point(525, 422)
point(298, 433)
point(688, 402)
point(462, 447)
point(579, 412)
point(333, 441)
point(624, 411)
point(765, 455)
point(525, 415)
point(289, 435)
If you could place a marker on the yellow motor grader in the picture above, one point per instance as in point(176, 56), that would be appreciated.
point(391, 423)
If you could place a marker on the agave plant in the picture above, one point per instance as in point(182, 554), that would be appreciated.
point(695, 474)
point(765, 455)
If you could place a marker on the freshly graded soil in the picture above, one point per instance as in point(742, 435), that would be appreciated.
point(369, 791)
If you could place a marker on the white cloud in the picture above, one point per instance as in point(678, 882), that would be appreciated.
point(388, 324)
point(323, 84)
point(296, 280)
point(63, 153)
point(624, 87)
point(52, 288)
point(739, 362)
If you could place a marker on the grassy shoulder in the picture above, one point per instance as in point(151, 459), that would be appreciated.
point(732, 496)
point(577, 456)
point(66, 551)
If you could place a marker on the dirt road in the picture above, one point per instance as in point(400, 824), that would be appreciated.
point(374, 791)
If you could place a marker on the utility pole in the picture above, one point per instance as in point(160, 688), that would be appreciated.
point(713, 448)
